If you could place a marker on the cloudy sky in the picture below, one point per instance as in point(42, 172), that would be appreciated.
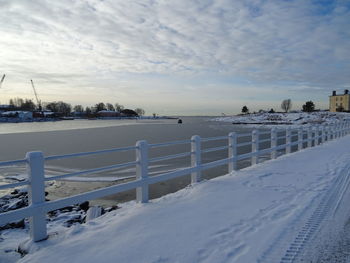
point(176, 57)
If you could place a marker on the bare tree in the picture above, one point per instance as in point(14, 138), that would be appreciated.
point(88, 111)
point(119, 107)
point(110, 106)
point(100, 106)
point(59, 107)
point(28, 105)
point(140, 111)
point(78, 108)
point(16, 102)
point(286, 105)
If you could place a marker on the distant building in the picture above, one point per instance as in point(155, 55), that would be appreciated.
point(21, 115)
point(5, 108)
point(339, 102)
point(44, 114)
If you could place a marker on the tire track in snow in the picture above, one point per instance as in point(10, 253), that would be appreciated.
point(284, 242)
point(326, 208)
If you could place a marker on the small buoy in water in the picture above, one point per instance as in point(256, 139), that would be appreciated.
point(179, 121)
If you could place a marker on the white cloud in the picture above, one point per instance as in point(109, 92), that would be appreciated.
point(69, 46)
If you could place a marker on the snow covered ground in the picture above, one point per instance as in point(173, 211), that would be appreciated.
point(295, 119)
point(278, 211)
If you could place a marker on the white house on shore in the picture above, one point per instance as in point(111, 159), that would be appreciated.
point(340, 102)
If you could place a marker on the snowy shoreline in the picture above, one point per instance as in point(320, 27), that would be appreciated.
point(294, 119)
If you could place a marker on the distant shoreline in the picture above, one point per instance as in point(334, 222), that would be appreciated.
point(18, 120)
point(295, 119)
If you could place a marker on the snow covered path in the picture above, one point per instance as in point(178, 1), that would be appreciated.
point(272, 212)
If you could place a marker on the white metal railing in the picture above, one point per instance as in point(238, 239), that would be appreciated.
point(278, 140)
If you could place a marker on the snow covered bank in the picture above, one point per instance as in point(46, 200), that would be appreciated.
point(295, 119)
point(267, 213)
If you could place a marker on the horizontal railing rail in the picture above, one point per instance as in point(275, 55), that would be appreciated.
point(169, 157)
point(66, 156)
point(13, 185)
point(15, 162)
point(164, 144)
point(91, 171)
point(214, 138)
point(220, 148)
point(253, 141)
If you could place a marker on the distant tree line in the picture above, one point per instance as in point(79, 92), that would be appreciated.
point(65, 109)
point(22, 104)
point(286, 106)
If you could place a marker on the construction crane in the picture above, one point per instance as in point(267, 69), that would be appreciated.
point(36, 96)
point(2, 80)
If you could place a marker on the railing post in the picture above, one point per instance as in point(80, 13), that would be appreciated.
point(323, 133)
point(337, 131)
point(331, 132)
point(309, 137)
point(317, 133)
point(300, 138)
point(273, 143)
point(344, 128)
point(36, 194)
point(232, 152)
point(288, 140)
point(196, 158)
point(142, 195)
point(330, 129)
point(255, 147)
point(340, 130)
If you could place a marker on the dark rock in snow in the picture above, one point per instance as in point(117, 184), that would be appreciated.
point(109, 209)
point(22, 250)
point(84, 206)
point(18, 224)
point(77, 219)
point(67, 216)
